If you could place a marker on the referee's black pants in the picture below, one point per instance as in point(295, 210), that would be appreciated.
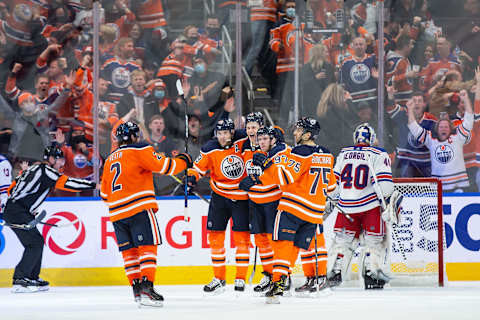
point(31, 262)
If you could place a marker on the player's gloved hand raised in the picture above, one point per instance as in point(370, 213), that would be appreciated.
point(248, 182)
point(185, 157)
point(191, 181)
point(259, 159)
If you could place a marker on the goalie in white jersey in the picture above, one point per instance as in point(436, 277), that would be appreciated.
point(364, 176)
point(446, 145)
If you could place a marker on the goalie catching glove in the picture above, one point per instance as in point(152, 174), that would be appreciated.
point(391, 213)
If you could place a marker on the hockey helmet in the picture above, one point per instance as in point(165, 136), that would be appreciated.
point(224, 124)
point(126, 130)
point(265, 131)
point(309, 124)
point(255, 117)
point(52, 151)
point(364, 133)
point(279, 134)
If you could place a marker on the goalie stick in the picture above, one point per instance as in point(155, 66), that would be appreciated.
point(27, 226)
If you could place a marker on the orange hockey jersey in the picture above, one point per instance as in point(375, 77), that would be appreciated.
point(151, 14)
point(226, 167)
point(127, 180)
point(304, 175)
point(267, 11)
point(396, 75)
point(282, 42)
point(261, 193)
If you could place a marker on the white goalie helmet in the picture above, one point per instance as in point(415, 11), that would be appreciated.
point(364, 133)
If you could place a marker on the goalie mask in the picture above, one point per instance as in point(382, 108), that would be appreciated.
point(365, 134)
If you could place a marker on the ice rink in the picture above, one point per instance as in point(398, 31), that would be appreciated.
point(187, 302)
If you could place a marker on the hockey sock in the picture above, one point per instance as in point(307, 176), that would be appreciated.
point(293, 258)
point(265, 250)
point(131, 262)
point(282, 254)
point(308, 257)
point(148, 261)
point(217, 245)
point(242, 256)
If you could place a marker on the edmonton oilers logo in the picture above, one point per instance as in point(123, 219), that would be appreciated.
point(444, 153)
point(232, 167)
point(360, 73)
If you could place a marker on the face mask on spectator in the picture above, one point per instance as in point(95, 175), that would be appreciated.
point(290, 12)
point(200, 68)
point(159, 94)
point(29, 107)
point(213, 31)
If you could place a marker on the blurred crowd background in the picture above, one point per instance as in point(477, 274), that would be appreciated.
point(285, 58)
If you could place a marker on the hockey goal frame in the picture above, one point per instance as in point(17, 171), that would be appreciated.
point(440, 226)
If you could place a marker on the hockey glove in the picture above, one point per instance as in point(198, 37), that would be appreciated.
point(191, 181)
point(259, 159)
point(186, 157)
point(394, 205)
point(247, 183)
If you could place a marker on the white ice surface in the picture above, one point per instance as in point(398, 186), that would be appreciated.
point(187, 302)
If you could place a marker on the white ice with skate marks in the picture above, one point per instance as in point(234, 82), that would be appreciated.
point(188, 302)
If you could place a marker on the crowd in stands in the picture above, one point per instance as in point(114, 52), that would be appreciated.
point(432, 50)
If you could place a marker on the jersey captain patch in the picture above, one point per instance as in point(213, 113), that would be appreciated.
point(444, 153)
point(232, 167)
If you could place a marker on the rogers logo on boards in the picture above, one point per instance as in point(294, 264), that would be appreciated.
point(77, 238)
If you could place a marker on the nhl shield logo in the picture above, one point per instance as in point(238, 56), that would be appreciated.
point(232, 167)
point(444, 153)
point(360, 73)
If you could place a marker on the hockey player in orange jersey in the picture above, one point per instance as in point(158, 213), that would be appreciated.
point(305, 175)
point(263, 200)
point(127, 189)
point(222, 156)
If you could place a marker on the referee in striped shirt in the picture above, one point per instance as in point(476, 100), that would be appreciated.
point(26, 194)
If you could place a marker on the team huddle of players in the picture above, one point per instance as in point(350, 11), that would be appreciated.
point(278, 193)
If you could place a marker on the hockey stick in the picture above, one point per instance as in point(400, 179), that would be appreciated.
point(194, 192)
point(186, 216)
point(28, 226)
point(379, 193)
point(250, 278)
point(316, 257)
point(63, 225)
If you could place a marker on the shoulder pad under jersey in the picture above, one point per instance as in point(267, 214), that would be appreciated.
point(239, 134)
point(211, 144)
point(276, 149)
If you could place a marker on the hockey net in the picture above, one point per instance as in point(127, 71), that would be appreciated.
point(416, 244)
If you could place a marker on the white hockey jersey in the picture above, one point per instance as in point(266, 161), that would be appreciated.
point(447, 159)
point(354, 170)
point(5, 180)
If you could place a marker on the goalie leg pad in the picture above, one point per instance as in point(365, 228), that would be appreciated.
point(340, 254)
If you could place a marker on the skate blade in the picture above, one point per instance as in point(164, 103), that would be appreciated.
point(273, 300)
point(21, 289)
point(305, 294)
point(46, 288)
point(214, 293)
point(287, 294)
point(324, 292)
point(148, 303)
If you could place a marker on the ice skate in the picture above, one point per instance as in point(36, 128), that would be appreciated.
point(24, 285)
point(215, 287)
point(264, 283)
point(239, 285)
point(276, 291)
point(148, 295)
point(42, 285)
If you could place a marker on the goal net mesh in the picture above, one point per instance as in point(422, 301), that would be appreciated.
point(413, 258)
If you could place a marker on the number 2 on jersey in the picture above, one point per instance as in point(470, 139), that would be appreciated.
point(360, 176)
point(118, 169)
